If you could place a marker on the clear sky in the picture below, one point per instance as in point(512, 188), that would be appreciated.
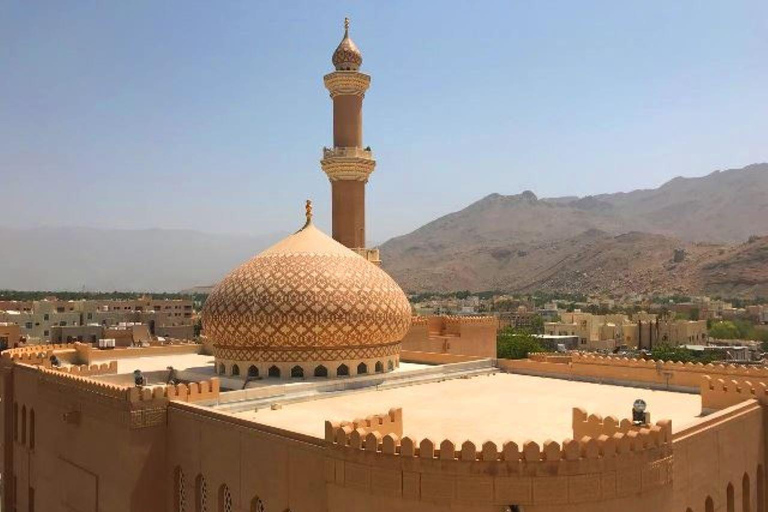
point(212, 115)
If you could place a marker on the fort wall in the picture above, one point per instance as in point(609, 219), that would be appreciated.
point(88, 354)
point(719, 394)
point(466, 335)
point(626, 371)
point(428, 473)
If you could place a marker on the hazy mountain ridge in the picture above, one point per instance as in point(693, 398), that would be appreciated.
point(608, 242)
point(621, 242)
point(74, 258)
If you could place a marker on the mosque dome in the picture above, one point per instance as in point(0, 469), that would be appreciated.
point(306, 301)
point(347, 56)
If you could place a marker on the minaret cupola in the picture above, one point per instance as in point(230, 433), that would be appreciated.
point(347, 56)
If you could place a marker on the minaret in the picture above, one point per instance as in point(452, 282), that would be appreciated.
point(348, 164)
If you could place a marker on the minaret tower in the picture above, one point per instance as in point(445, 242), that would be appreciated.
point(348, 164)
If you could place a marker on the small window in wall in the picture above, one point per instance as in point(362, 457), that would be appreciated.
point(390, 365)
point(379, 367)
point(222, 369)
point(253, 371)
point(16, 422)
point(321, 371)
point(31, 499)
point(32, 429)
point(297, 372)
point(235, 370)
point(362, 368)
point(342, 370)
point(274, 371)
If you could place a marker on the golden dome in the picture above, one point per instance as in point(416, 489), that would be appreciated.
point(307, 298)
point(347, 56)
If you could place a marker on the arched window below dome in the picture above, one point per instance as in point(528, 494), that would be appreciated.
point(225, 499)
point(201, 494)
point(390, 366)
point(379, 367)
point(746, 495)
point(342, 370)
point(362, 368)
point(257, 505)
point(253, 371)
point(235, 370)
point(274, 371)
point(321, 371)
point(180, 496)
point(297, 372)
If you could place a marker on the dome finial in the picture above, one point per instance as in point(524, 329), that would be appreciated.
point(346, 26)
point(308, 211)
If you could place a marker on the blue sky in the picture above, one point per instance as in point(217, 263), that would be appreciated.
point(212, 115)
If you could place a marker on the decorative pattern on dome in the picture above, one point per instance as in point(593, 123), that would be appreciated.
point(347, 56)
point(307, 301)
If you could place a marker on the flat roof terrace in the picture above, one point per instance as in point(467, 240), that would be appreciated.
point(497, 407)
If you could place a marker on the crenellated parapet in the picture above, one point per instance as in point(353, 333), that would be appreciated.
point(736, 370)
point(550, 357)
point(384, 424)
point(722, 393)
point(471, 320)
point(594, 425)
point(575, 470)
point(189, 392)
point(93, 369)
point(419, 320)
point(633, 371)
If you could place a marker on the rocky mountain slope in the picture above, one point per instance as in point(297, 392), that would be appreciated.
point(618, 243)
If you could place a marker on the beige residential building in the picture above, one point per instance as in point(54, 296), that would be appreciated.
point(643, 330)
point(37, 319)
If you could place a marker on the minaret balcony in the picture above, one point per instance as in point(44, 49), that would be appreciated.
point(353, 152)
point(347, 83)
point(347, 163)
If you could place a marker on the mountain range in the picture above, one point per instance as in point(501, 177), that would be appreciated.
point(619, 243)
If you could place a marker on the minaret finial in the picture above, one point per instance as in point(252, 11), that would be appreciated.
point(346, 26)
point(308, 208)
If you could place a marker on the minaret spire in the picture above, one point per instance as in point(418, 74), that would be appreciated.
point(348, 163)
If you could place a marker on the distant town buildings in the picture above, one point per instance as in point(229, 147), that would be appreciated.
point(60, 321)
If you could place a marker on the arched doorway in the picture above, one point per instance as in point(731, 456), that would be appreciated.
point(760, 488)
point(253, 371)
point(297, 372)
point(746, 495)
point(379, 367)
point(235, 370)
point(709, 505)
point(362, 368)
point(321, 371)
point(274, 371)
point(342, 370)
point(730, 499)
